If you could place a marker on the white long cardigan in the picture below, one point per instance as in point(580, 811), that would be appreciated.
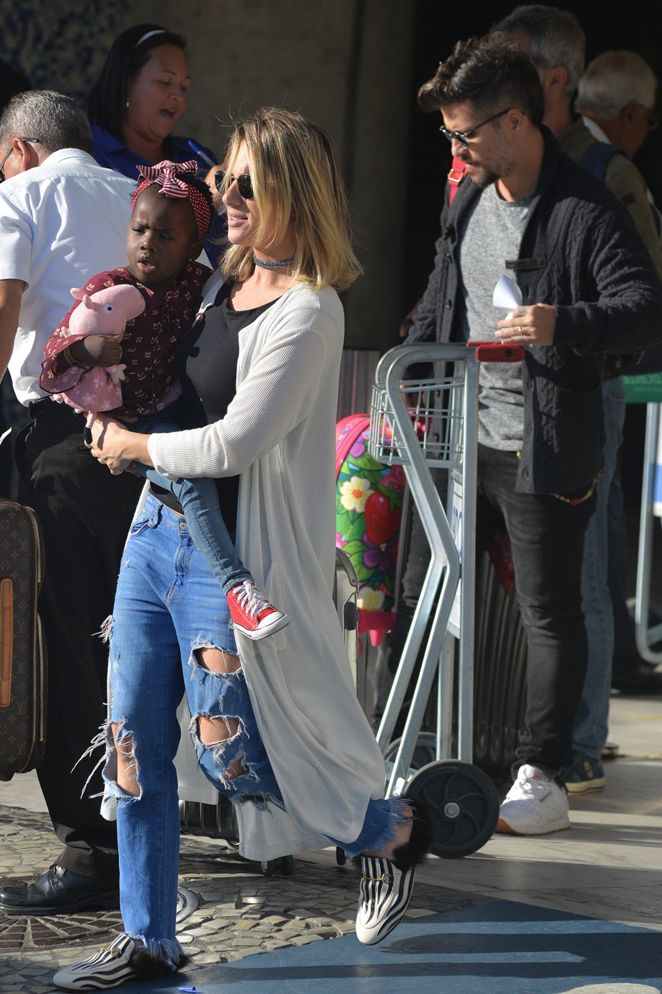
point(278, 434)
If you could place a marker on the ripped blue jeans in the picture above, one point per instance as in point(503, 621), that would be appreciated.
point(168, 606)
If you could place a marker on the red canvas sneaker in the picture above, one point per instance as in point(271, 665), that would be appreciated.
point(251, 612)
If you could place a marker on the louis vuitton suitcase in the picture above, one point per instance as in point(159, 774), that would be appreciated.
point(22, 647)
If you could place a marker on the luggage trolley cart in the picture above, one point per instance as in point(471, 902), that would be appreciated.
point(421, 424)
point(648, 634)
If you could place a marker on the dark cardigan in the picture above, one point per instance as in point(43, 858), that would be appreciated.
point(580, 252)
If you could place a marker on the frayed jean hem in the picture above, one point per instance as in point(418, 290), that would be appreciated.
point(380, 826)
point(167, 950)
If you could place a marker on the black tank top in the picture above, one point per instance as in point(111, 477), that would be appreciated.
point(206, 363)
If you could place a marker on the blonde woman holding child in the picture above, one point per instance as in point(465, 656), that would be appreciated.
point(276, 722)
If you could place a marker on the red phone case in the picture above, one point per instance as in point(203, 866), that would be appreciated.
point(497, 351)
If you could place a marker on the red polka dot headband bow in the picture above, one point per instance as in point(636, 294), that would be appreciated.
point(167, 175)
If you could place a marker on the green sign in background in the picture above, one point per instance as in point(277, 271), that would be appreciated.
point(644, 389)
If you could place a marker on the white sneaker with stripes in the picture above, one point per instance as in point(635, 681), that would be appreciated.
point(383, 898)
point(110, 967)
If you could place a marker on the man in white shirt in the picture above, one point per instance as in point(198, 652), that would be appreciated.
point(63, 218)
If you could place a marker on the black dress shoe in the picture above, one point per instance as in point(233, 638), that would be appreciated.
point(640, 679)
point(57, 892)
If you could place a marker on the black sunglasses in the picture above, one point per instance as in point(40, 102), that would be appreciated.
point(462, 136)
point(244, 184)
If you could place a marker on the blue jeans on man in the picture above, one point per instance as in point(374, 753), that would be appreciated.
point(591, 724)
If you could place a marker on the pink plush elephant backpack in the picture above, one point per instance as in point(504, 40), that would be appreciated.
point(105, 312)
point(368, 511)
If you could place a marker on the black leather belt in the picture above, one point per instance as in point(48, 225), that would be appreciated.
point(47, 406)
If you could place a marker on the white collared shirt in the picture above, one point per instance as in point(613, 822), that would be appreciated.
point(60, 223)
point(596, 130)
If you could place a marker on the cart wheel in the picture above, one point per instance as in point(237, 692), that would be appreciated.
point(341, 859)
point(425, 750)
point(464, 805)
point(281, 867)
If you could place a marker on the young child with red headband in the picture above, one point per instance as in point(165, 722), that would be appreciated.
point(171, 213)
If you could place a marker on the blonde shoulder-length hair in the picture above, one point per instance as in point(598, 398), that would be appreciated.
point(296, 181)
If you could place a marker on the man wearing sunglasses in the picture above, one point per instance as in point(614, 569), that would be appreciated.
point(62, 218)
point(588, 287)
point(615, 82)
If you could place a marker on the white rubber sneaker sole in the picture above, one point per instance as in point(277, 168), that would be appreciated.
point(585, 786)
point(268, 629)
point(559, 825)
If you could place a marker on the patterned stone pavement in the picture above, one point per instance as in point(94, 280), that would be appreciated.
point(227, 908)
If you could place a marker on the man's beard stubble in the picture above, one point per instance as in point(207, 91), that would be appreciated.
point(483, 175)
point(483, 179)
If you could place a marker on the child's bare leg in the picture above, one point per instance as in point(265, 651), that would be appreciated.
point(211, 731)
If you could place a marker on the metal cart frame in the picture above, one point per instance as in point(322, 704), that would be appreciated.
point(421, 424)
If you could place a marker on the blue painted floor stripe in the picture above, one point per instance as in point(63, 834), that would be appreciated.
point(495, 948)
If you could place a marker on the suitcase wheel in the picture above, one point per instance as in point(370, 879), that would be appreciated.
point(351, 616)
point(463, 802)
point(281, 867)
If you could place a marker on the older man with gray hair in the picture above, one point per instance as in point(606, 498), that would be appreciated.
point(616, 95)
point(62, 218)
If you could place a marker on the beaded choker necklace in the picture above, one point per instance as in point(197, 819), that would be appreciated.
point(283, 264)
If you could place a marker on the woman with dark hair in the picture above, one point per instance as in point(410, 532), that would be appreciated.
point(133, 106)
point(277, 727)
point(139, 96)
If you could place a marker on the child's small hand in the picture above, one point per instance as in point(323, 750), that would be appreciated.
point(97, 350)
point(107, 439)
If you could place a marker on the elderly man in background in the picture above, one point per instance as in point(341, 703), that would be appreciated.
point(554, 41)
point(616, 95)
point(63, 217)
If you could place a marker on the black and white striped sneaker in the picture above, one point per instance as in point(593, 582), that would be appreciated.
point(110, 967)
point(383, 898)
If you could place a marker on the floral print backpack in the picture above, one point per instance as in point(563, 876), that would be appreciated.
point(368, 510)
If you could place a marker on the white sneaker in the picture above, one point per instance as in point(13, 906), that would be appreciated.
point(534, 805)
